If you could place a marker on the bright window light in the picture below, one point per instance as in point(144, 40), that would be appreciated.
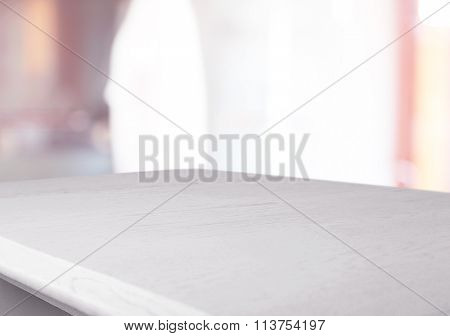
point(428, 7)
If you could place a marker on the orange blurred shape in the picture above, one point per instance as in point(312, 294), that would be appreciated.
point(432, 122)
point(39, 50)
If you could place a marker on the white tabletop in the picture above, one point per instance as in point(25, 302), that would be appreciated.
point(113, 245)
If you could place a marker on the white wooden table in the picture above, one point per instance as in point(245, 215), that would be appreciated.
point(112, 245)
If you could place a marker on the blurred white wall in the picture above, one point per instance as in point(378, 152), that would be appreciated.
point(238, 66)
point(157, 57)
point(352, 124)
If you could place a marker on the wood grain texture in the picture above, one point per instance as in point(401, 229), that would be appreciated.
point(231, 248)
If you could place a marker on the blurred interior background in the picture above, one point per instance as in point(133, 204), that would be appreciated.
point(247, 63)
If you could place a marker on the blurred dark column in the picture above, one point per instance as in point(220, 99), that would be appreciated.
point(88, 28)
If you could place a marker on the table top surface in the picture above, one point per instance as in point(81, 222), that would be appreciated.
point(112, 245)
